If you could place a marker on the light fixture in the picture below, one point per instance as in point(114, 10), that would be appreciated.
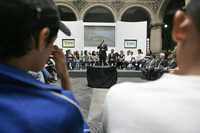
point(165, 26)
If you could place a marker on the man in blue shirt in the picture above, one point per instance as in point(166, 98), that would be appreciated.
point(28, 30)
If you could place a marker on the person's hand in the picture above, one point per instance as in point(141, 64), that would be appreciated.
point(59, 59)
point(61, 68)
point(174, 71)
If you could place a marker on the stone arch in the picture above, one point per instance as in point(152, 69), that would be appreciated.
point(69, 7)
point(147, 10)
point(163, 8)
point(166, 14)
point(84, 12)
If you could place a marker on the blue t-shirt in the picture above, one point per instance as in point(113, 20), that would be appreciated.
point(29, 106)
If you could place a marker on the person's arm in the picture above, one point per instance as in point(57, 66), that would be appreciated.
point(65, 81)
point(106, 47)
point(61, 68)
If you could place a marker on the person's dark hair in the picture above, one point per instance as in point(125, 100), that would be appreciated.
point(19, 31)
point(193, 9)
point(93, 53)
point(85, 52)
point(17, 41)
point(140, 51)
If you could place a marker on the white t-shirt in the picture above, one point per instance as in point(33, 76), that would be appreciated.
point(139, 57)
point(38, 75)
point(128, 58)
point(168, 105)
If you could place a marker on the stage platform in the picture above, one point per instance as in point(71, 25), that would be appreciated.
point(120, 73)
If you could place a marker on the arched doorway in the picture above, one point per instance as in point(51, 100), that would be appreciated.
point(137, 14)
point(95, 33)
point(172, 7)
point(67, 14)
point(99, 14)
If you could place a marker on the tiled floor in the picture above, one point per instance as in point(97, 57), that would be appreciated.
point(92, 99)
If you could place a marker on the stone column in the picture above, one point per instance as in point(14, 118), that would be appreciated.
point(156, 38)
point(187, 1)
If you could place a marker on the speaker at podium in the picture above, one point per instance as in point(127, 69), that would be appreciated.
point(101, 76)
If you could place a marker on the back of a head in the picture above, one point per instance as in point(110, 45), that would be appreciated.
point(21, 23)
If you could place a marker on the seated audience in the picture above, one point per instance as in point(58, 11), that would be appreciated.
point(85, 59)
point(127, 60)
point(82, 61)
point(120, 60)
point(50, 67)
point(112, 59)
point(139, 58)
point(76, 60)
point(163, 62)
point(94, 58)
point(69, 59)
point(170, 104)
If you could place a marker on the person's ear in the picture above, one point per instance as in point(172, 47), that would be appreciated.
point(180, 27)
point(43, 36)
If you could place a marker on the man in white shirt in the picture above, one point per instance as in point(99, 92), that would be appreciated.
point(170, 104)
point(128, 58)
point(140, 55)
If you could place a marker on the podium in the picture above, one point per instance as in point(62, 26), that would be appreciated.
point(101, 76)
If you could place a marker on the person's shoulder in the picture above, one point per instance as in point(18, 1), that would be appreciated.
point(133, 88)
point(68, 103)
point(66, 98)
point(125, 86)
point(121, 90)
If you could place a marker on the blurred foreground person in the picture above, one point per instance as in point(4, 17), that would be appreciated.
point(28, 30)
point(170, 104)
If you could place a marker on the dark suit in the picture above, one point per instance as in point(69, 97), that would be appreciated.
point(102, 53)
